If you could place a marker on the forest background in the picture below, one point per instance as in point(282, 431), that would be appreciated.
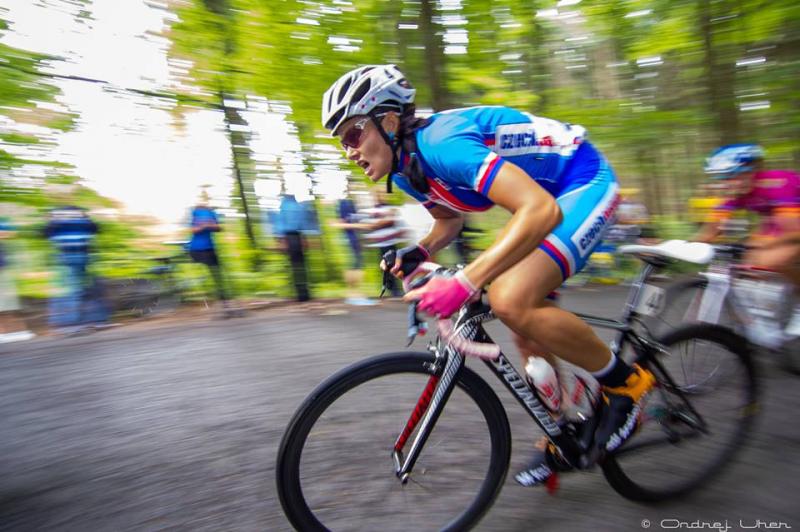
point(657, 83)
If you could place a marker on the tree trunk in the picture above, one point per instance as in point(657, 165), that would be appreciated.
point(720, 79)
point(434, 55)
point(538, 64)
point(242, 165)
point(606, 85)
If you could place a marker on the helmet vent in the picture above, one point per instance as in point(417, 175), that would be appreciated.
point(334, 119)
point(343, 90)
point(329, 103)
point(361, 91)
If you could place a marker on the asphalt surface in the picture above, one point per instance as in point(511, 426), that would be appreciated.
point(175, 424)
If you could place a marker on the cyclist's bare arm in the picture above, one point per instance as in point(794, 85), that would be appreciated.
point(535, 214)
point(446, 226)
point(788, 221)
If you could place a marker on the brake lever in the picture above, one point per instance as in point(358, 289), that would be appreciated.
point(384, 283)
point(416, 326)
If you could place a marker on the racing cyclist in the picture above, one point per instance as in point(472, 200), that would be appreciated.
point(561, 193)
point(774, 195)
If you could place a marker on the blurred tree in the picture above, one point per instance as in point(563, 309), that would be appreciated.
point(28, 123)
point(434, 56)
point(657, 82)
point(209, 35)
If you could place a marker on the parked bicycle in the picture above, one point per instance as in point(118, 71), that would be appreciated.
point(157, 290)
point(366, 450)
point(759, 304)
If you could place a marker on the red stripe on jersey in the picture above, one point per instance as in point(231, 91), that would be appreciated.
point(557, 253)
point(487, 173)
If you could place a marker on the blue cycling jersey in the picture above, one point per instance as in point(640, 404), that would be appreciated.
point(461, 151)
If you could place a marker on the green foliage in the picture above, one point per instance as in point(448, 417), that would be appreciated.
point(18, 138)
point(654, 118)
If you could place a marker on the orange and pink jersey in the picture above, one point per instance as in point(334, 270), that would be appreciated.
point(775, 195)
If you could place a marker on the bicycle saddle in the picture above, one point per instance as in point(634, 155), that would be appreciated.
point(696, 252)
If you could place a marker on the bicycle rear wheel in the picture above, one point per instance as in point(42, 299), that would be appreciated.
point(335, 470)
point(683, 303)
point(689, 431)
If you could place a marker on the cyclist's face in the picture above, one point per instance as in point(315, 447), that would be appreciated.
point(364, 145)
point(740, 183)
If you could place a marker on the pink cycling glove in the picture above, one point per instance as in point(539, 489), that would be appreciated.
point(442, 296)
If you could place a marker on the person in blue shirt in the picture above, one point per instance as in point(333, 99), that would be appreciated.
point(204, 223)
point(348, 214)
point(561, 193)
point(71, 231)
point(291, 223)
point(354, 275)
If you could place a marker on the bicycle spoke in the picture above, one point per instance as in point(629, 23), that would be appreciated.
point(351, 445)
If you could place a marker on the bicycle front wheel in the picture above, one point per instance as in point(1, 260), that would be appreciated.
point(335, 470)
point(691, 426)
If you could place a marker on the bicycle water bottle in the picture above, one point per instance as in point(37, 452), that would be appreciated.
point(579, 392)
point(545, 383)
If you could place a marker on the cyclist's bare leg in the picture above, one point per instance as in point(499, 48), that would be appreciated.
point(518, 299)
point(528, 347)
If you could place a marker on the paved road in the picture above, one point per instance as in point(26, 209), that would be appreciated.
point(176, 425)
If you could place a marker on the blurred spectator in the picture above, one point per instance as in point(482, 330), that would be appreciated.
point(465, 249)
point(204, 222)
point(12, 328)
point(702, 205)
point(632, 220)
point(416, 219)
point(71, 231)
point(291, 222)
point(385, 230)
point(354, 275)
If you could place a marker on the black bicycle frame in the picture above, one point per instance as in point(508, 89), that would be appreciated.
point(469, 326)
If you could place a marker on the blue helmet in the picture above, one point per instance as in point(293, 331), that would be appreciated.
point(730, 160)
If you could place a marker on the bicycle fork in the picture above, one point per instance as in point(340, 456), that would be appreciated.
point(430, 403)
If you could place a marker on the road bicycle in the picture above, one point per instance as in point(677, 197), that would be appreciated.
point(414, 440)
point(759, 304)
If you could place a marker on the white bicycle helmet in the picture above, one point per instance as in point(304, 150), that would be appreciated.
point(365, 90)
point(728, 161)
